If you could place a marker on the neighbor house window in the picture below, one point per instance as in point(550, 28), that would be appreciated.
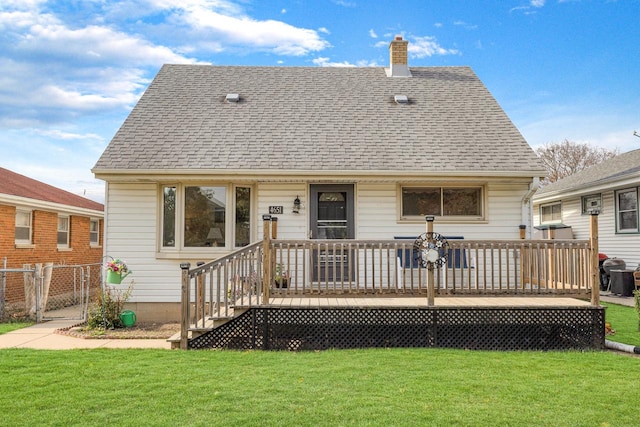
point(627, 210)
point(63, 231)
point(458, 202)
point(23, 227)
point(205, 216)
point(94, 232)
point(591, 203)
point(551, 213)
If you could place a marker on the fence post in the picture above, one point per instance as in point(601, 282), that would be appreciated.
point(199, 307)
point(266, 265)
point(274, 227)
point(594, 269)
point(184, 321)
point(3, 288)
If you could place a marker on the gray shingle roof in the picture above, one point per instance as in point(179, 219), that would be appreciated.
point(617, 168)
point(318, 119)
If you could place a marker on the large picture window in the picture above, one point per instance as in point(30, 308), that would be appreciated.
point(627, 210)
point(452, 202)
point(205, 216)
point(551, 213)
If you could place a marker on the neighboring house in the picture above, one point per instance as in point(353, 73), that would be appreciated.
point(40, 223)
point(361, 153)
point(612, 188)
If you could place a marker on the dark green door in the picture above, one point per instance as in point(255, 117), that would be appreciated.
point(332, 217)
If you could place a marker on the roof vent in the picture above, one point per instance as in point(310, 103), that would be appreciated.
point(232, 97)
point(401, 99)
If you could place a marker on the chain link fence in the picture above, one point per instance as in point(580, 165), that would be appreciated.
point(45, 292)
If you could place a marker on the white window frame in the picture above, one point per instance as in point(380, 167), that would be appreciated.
point(29, 214)
point(443, 218)
point(67, 231)
point(619, 211)
point(552, 220)
point(591, 202)
point(179, 220)
point(95, 232)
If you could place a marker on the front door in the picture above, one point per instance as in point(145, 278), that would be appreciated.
point(332, 217)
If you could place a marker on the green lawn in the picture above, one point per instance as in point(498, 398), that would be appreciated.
point(12, 326)
point(378, 387)
point(624, 320)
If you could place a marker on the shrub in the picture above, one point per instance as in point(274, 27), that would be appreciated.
point(104, 313)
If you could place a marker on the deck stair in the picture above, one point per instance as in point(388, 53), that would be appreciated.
point(210, 323)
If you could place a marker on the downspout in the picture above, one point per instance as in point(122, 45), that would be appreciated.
point(527, 207)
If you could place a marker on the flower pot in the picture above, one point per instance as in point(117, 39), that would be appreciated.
point(115, 277)
point(128, 318)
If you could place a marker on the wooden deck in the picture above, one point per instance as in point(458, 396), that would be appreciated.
point(417, 302)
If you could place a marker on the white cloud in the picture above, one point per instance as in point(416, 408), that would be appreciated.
point(537, 3)
point(216, 19)
point(58, 134)
point(421, 47)
point(326, 62)
point(373, 34)
point(465, 25)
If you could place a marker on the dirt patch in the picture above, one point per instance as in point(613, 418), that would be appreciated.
point(140, 330)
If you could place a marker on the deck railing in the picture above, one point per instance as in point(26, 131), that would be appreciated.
point(212, 291)
point(334, 267)
point(217, 290)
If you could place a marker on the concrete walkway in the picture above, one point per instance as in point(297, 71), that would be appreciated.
point(617, 299)
point(42, 336)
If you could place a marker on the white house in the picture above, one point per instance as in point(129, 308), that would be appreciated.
point(367, 153)
point(611, 187)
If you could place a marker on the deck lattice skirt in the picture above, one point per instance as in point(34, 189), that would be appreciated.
point(494, 328)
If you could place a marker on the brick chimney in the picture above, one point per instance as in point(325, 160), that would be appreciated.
point(399, 64)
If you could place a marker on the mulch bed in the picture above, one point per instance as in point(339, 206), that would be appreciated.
point(140, 330)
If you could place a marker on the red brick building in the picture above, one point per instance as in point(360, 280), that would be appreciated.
point(40, 223)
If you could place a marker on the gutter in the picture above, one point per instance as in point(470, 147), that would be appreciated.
point(527, 208)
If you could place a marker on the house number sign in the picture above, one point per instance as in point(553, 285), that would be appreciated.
point(275, 210)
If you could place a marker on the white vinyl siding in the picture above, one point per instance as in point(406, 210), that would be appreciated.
point(131, 234)
point(133, 226)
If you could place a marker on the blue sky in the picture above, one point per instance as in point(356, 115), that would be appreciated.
point(72, 70)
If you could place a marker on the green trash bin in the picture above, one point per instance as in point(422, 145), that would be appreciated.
point(128, 318)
